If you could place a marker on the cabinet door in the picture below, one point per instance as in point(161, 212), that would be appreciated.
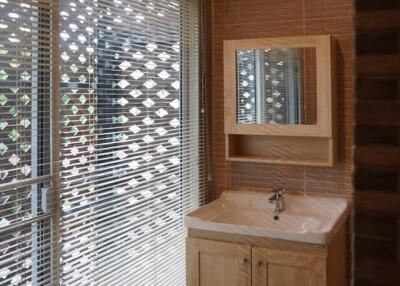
point(212, 263)
point(281, 268)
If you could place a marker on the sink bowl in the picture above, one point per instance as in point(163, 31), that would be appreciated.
point(305, 219)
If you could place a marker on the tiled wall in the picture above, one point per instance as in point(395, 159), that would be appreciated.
point(239, 19)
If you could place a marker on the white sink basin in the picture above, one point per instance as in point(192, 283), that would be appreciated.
point(305, 219)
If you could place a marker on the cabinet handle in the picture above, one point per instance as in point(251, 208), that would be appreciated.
point(259, 264)
point(243, 261)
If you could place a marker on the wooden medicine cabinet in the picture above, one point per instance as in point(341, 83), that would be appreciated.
point(279, 98)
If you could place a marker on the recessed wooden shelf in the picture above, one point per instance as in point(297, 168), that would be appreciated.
point(313, 151)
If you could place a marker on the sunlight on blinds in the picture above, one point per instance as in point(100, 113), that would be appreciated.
point(131, 139)
point(122, 78)
point(25, 68)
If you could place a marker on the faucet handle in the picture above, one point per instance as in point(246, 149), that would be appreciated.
point(277, 194)
point(278, 191)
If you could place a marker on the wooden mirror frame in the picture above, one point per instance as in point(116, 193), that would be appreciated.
point(324, 126)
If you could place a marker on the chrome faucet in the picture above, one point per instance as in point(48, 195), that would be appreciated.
point(279, 202)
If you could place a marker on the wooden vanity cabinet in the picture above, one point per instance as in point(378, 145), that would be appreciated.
point(220, 259)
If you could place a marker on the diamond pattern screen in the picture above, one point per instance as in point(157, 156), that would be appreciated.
point(130, 150)
point(127, 141)
point(270, 86)
point(25, 56)
point(246, 86)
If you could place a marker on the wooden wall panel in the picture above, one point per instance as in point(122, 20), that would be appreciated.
point(377, 143)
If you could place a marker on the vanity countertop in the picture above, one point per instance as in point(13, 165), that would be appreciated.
point(305, 219)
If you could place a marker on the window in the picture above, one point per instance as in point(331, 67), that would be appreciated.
point(126, 162)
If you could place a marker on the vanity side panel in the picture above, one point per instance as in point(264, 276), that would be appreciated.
point(192, 262)
point(337, 258)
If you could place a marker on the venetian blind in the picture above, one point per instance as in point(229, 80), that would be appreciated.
point(131, 139)
point(25, 136)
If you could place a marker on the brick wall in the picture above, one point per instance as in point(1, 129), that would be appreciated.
point(240, 19)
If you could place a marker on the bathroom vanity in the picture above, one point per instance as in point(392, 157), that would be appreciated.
point(235, 241)
point(280, 108)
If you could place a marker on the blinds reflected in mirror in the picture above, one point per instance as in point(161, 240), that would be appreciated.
point(276, 86)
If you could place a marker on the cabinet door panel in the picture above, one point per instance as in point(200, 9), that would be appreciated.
point(279, 268)
point(282, 275)
point(212, 263)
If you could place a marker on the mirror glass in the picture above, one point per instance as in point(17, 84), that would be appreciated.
point(276, 86)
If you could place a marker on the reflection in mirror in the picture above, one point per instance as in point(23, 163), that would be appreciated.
point(276, 86)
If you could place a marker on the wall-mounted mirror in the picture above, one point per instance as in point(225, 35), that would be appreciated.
point(276, 86)
point(279, 86)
